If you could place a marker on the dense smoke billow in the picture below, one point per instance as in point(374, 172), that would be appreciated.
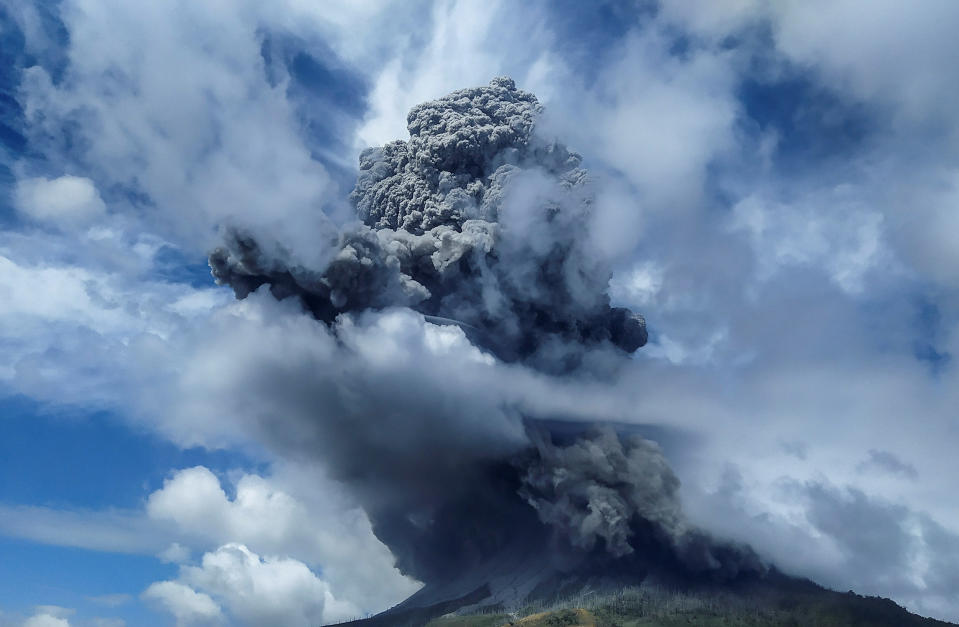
point(480, 226)
point(594, 487)
point(474, 220)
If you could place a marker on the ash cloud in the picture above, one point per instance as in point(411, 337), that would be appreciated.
point(481, 227)
point(474, 220)
point(617, 492)
point(462, 150)
point(593, 489)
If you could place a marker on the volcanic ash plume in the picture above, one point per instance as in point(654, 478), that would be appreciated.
point(474, 220)
point(482, 227)
point(593, 489)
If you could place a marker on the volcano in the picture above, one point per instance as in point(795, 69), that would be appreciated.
point(475, 243)
point(776, 600)
point(534, 576)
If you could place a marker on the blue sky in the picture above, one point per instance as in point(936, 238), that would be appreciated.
point(783, 206)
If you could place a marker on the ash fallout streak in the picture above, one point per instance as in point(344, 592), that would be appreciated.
point(481, 226)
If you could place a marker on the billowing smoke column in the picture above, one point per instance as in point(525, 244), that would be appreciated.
point(473, 220)
point(477, 221)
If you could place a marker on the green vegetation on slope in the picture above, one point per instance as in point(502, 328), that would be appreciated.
point(764, 606)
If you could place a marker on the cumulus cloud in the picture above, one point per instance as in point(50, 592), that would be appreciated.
point(320, 529)
point(176, 553)
point(188, 606)
point(64, 200)
point(253, 590)
point(49, 616)
point(269, 520)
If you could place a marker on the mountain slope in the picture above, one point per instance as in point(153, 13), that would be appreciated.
point(776, 600)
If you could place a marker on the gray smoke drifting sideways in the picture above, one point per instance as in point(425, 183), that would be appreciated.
point(481, 227)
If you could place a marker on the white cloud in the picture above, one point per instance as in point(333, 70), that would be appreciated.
point(49, 616)
point(266, 591)
point(68, 294)
point(318, 528)
point(113, 531)
point(176, 553)
point(638, 286)
point(46, 620)
point(188, 606)
point(839, 411)
point(886, 50)
point(191, 120)
point(67, 200)
point(253, 590)
point(70, 332)
point(329, 532)
point(457, 54)
point(844, 239)
point(658, 118)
